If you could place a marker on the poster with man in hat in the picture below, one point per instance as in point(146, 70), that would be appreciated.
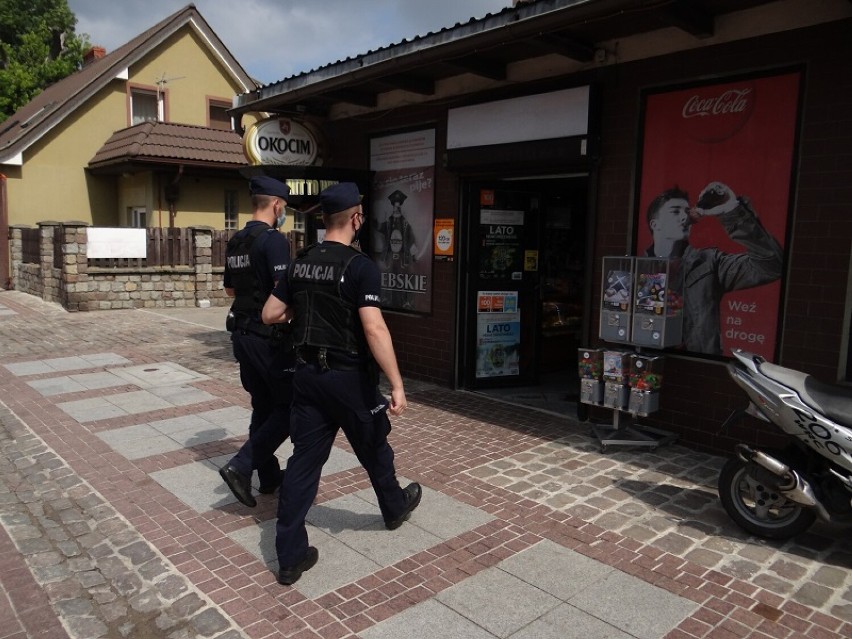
point(399, 252)
point(402, 222)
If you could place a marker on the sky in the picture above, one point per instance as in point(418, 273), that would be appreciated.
point(276, 39)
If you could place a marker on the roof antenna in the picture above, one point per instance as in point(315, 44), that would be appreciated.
point(163, 81)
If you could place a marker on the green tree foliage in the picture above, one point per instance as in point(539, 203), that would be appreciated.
point(38, 46)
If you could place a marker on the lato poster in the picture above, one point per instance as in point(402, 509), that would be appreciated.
point(402, 213)
point(714, 192)
point(498, 339)
point(501, 254)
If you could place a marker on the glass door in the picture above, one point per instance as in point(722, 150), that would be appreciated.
point(502, 308)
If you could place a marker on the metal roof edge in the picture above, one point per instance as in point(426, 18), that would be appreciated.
point(509, 16)
point(13, 160)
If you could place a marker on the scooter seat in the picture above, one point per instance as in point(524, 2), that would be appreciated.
point(832, 400)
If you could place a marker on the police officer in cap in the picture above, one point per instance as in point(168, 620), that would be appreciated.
point(332, 292)
point(256, 257)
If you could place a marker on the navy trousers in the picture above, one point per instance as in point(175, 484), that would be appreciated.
point(324, 402)
point(266, 373)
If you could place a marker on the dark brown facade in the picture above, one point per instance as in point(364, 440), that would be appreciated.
point(698, 395)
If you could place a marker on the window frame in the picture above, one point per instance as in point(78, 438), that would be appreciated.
point(137, 217)
point(161, 97)
point(232, 210)
point(223, 103)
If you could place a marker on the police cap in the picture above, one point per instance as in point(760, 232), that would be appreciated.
point(339, 197)
point(265, 185)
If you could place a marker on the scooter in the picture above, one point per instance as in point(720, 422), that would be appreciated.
point(779, 494)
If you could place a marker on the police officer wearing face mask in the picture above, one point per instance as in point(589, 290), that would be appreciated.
point(256, 257)
point(332, 292)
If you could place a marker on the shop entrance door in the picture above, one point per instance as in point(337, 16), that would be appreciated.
point(524, 282)
point(502, 281)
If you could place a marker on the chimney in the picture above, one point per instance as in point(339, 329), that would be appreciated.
point(95, 53)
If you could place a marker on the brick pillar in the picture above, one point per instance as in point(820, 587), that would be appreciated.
point(202, 246)
point(74, 272)
point(16, 254)
point(49, 274)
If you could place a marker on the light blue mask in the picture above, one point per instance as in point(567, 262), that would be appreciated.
point(279, 221)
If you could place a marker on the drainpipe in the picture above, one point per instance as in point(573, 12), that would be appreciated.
point(159, 200)
point(5, 277)
point(172, 196)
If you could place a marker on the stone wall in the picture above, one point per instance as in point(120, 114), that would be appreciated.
point(27, 277)
point(68, 279)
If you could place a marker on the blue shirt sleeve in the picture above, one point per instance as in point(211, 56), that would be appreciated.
point(277, 254)
point(363, 285)
point(281, 290)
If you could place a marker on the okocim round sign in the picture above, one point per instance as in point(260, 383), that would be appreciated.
point(280, 141)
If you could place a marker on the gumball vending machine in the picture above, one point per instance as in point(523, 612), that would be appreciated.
point(657, 303)
point(616, 298)
point(641, 308)
point(646, 380)
point(590, 368)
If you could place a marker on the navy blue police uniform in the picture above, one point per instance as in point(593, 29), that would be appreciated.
point(335, 386)
point(256, 257)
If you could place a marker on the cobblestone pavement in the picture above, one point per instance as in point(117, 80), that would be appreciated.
point(95, 543)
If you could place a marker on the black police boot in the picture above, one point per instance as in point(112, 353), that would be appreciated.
point(413, 493)
point(289, 576)
point(239, 484)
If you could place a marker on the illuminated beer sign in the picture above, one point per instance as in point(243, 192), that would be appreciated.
point(281, 141)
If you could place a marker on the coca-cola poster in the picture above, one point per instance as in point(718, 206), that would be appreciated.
point(714, 193)
point(401, 217)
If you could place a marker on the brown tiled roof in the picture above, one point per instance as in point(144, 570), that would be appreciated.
point(51, 106)
point(162, 142)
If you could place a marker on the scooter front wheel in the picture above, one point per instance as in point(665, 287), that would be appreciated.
point(757, 508)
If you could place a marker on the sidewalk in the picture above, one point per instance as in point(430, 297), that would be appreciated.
point(115, 522)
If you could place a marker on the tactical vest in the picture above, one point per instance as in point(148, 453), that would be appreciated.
point(323, 319)
point(241, 259)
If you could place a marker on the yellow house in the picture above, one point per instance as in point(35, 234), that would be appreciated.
point(138, 137)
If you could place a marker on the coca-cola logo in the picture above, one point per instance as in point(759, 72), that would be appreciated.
point(714, 114)
point(731, 101)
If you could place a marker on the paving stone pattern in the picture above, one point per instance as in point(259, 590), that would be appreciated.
point(114, 523)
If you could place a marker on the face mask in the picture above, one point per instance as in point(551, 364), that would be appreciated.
point(357, 234)
point(356, 240)
point(279, 221)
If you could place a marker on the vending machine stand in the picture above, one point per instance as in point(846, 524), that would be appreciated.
point(641, 306)
point(623, 432)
